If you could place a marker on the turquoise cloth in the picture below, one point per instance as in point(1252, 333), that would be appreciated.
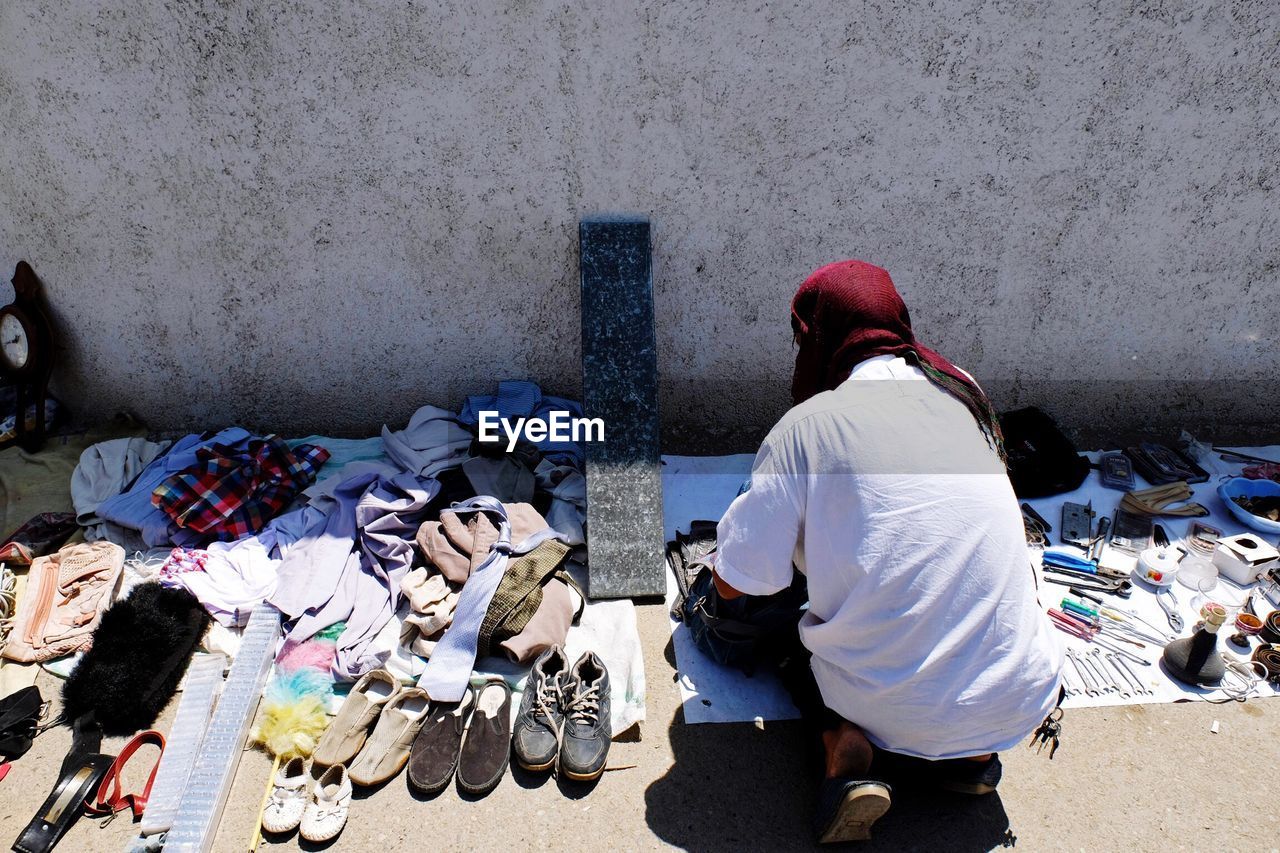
point(344, 450)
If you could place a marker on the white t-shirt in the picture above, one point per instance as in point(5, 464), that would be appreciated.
point(923, 620)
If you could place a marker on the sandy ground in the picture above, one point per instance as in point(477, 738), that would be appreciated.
point(1139, 778)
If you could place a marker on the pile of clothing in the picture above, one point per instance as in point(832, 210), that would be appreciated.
point(360, 533)
point(413, 554)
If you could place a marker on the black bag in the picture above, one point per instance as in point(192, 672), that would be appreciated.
point(19, 722)
point(1042, 461)
point(140, 653)
point(745, 632)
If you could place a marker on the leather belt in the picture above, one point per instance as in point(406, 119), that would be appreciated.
point(1269, 657)
point(80, 774)
point(1271, 627)
point(110, 799)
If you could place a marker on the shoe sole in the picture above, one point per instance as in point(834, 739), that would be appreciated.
point(536, 768)
point(859, 809)
point(322, 840)
point(975, 789)
point(399, 767)
point(484, 788)
point(582, 777)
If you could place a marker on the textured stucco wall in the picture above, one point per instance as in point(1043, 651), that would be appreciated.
point(318, 215)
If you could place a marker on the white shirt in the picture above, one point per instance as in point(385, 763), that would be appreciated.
point(923, 620)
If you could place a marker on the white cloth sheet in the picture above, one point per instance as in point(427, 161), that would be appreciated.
point(1143, 601)
point(703, 488)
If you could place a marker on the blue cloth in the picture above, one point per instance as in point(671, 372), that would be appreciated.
point(344, 450)
point(520, 399)
point(348, 565)
point(133, 509)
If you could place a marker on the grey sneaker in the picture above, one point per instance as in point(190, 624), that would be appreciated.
point(584, 748)
point(536, 741)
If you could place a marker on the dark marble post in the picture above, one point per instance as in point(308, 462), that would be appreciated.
point(620, 385)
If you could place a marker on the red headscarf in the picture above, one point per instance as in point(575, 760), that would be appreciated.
point(848, 312)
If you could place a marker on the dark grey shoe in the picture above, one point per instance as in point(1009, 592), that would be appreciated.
point(847, 808)
point(537, 727)
point(584, 747)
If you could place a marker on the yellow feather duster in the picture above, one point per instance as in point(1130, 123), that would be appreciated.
point(293, 714)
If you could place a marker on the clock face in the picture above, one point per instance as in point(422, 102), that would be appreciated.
point(15, 346)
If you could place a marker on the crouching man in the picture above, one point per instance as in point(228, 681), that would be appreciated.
point(884, 486)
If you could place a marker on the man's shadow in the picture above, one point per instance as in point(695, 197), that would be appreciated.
point(737, 786)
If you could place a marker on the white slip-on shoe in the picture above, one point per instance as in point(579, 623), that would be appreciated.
point(387, 750)
point(326, 814)
point(346, 734)
point(288, 798)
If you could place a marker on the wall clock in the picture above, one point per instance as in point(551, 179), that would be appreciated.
point(26, 353)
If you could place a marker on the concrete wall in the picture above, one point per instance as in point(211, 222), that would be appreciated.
point(313, 215)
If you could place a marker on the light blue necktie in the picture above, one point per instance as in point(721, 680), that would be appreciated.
point(448, 671)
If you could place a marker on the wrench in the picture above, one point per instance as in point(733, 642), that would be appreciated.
point(1126, 692)
point(1101, 664)
point(1107, 685)
point(1100, 660)
point(1090, 686)
point(1141, 687)
point(1068, 684)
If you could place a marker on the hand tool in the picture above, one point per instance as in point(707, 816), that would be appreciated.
point(1131, 615)
point(1138, 681)
point(1118, 619)
point(1170, 608)
point(1101, 665)
point(1125, 686)
point(1243, 457)
point(1088, 580)
point(1086, 596)
point(1037, 517)
point(1074, 627)
point(1095, 547)
point(1068, 683)
point(1124, 652)
point(1104, 685)
point(1090, 683)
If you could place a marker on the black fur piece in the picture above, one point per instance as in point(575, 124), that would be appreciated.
point(140, 653)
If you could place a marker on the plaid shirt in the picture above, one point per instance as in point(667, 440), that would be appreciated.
point(231, 492)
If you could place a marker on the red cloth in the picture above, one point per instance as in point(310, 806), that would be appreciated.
point(848, 312)
point(232, 492)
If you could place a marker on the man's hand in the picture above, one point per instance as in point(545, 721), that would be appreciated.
point(727, 592)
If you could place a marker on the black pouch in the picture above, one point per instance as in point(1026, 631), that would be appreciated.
point(39, 535)
point(140, 653)
point(1042, 460)
point(19, 722)
point(745, 632)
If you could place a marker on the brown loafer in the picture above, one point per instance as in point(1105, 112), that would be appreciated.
point(434, 755)
point(348, 731)
point(487, 747)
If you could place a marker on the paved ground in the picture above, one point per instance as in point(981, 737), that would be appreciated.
point(1134, 779)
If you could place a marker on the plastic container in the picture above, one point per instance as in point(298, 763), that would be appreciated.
point(1242, 487)
point(1194, 569)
